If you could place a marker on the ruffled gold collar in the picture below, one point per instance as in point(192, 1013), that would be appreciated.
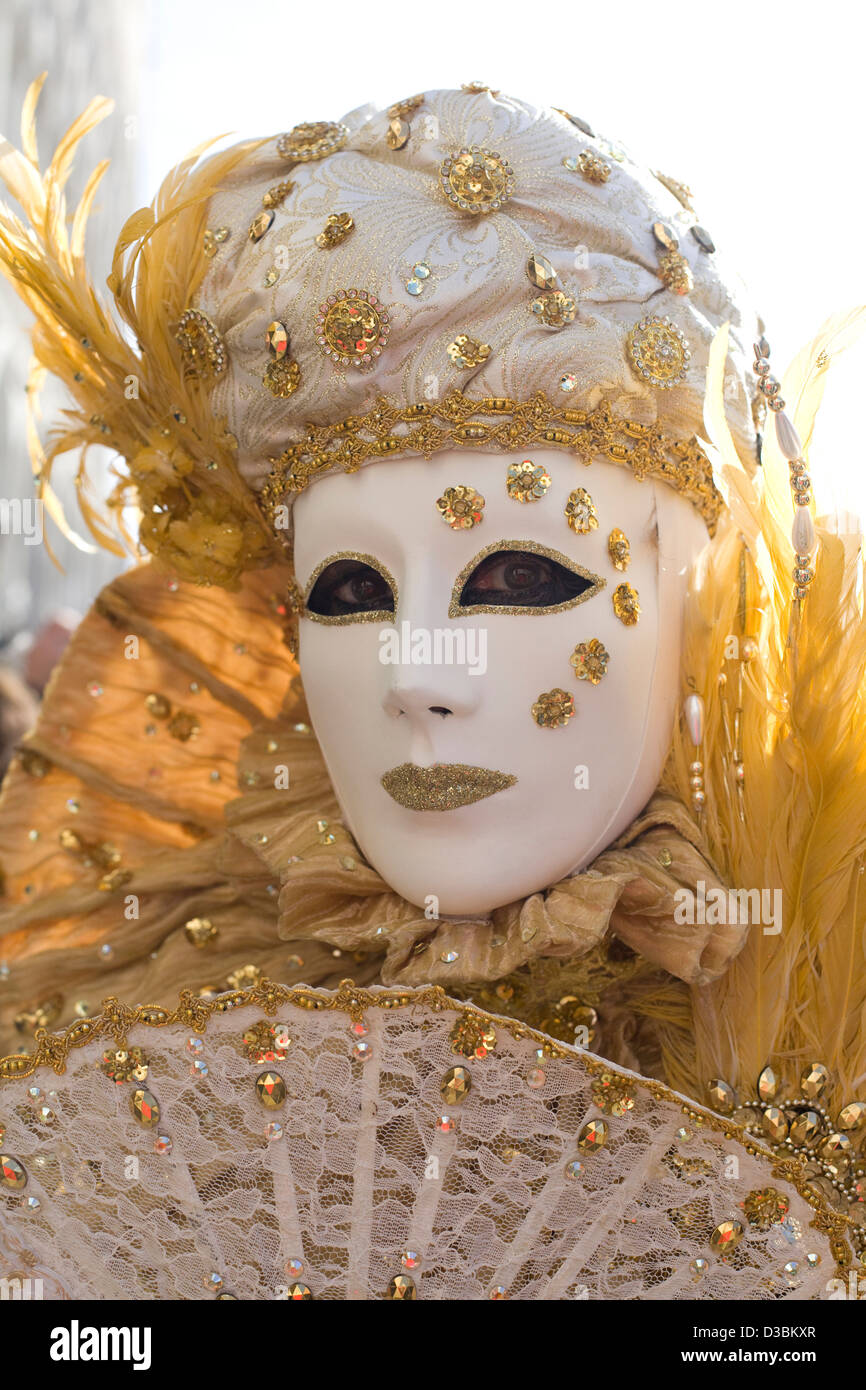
point(329, 894)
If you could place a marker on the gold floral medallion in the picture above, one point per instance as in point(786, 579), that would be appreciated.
point(477, 180)
point(626, 605)
point(312, 140)
point(590, 660)
point(201, 345)
point(527, 481)
point(658, 351)
point(352, 327)
point(765, 1207)
point(461, 507)
point(472, 1036)
point(553, 709)
point(580, 512)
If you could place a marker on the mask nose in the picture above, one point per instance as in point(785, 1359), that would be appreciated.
point(427, 699)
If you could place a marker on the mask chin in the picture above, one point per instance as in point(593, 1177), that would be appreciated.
point(564, 792)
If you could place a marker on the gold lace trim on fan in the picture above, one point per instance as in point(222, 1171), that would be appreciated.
point(504, 424)
point(116, 1020)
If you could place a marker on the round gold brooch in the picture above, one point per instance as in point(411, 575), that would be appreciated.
point(477, 180)
point(352, 327)
point(312, 140)
point(658, 351)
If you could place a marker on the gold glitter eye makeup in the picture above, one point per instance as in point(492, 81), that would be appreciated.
point(350, 587)
point(521, 577)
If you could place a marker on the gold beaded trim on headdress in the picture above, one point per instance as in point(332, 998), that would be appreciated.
point(457, 421)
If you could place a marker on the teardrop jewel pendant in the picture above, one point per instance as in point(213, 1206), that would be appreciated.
point(693, 715)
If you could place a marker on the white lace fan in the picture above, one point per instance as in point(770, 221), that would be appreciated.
point(338, 1147)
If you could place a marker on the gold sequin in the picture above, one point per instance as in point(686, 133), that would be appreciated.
point(658, 351)
point(472, 1036)
point(556, 309)
point(626, 605)
point(312, 140)
point(200, 931)
point(612, 1093)
point(337, 227)
point(124, 1064)
point(461, 507)
point(765, 1207)
point(201, 345)
point(468, 352)
point(183, 726)
point(477, 180)
point(527, 481)
point(352, 327)
point(676, 273)
point(282, 377)
point(590, 660)
point(619, 549)
point(244, 977)
point(580, 512)
point(277, 194)
point(553, 709)
point(593, 168)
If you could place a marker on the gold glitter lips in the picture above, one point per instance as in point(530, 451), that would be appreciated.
point(443, 786)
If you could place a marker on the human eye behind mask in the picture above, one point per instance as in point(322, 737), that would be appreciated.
point(350, 588)
point(521, 577)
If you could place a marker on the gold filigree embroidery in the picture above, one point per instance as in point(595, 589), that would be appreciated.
point(501, 424)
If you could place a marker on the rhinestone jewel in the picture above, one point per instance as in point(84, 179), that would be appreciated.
point(665, 236)
point(277, 338)
point(699, 1267)
point(703, 238)
point(805, 1127)
point(768, 1085)
point(273, 1131)
point(726, 1236)
point(12, 1173)
point(852, 1116)
point(402, 1286)
point(162, 1144)
point(298, 1293)
point(145, 1108)
point(260, 224)
point(445, 1124)
point(541, 273)
point(410, 1259)
point(362, 1051)
point(456, 1085)
point(271, 1089)
point(814, 1080)
point(721, 1097)
point(536, 1079)
point(568, 382)
point(498, 1293)
point(574, 1168)
point(294, 1268)
point(775, 1124)
point(593, 1136)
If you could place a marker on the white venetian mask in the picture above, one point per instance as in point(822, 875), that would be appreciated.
point(418, 671)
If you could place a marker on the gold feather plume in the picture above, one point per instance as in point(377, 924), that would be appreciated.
point(126, 378)
point(798, 994)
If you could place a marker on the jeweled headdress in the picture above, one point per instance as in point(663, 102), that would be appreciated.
point(462, 269)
